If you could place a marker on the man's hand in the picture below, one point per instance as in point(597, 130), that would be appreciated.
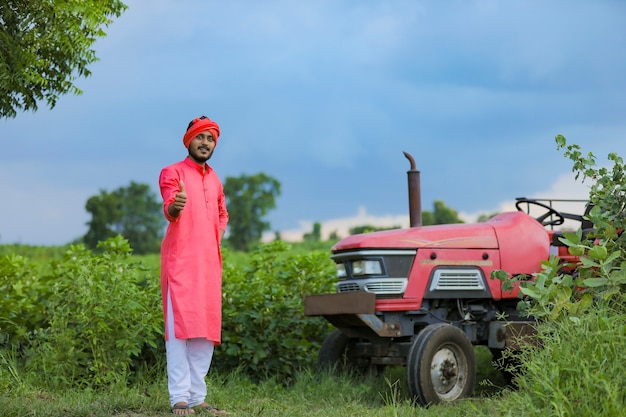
point(179, 201)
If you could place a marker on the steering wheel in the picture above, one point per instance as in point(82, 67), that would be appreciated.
point(560, 219)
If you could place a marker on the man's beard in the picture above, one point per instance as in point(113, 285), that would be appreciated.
point(201, 159)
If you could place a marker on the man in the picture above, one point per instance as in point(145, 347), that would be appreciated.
point(191, 267)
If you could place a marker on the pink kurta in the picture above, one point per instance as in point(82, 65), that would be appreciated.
point(191, 263)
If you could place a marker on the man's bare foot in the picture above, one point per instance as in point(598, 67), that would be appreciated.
point(182, 408)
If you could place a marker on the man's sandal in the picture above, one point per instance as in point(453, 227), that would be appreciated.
point(179, 407)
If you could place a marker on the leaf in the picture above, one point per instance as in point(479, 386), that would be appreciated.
point(530, 292)
point(595, 282)
point(598, 252)
point(586, 262)
point(585, 302)
point(576, 250)
point(613, 256)
point(571, 238)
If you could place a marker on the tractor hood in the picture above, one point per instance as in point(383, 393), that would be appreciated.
point(480, 235)
point(466, 236)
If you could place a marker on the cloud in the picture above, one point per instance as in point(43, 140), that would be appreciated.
point(565, 187)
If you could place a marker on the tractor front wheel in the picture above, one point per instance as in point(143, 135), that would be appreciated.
point(441, 366)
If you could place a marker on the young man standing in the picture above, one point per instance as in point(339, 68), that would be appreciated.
point(191, 267)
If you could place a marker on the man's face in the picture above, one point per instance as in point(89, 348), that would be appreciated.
point(201, 147)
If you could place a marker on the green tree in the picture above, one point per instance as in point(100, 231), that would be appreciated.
point(484, 217)
point(314, 235)
point(45, 45)
point(441, 214)
point(133, 212)
point(249, 198)
point(368, 228)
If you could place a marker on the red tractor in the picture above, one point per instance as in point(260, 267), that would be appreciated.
point(422, 297)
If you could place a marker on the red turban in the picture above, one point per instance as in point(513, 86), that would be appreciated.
point(198, 126)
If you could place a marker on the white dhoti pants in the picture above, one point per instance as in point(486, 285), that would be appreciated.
point(188, 363)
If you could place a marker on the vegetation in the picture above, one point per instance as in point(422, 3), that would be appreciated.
point(366, 228)
point(82, 322)
point(249, 198)
point(581, 307)
point(95, 319)
point(314, 235)
point(441, 214)
point(309, 395)
point(263, 307)
point(44, 45)
point(134, 212)
point(567, 291)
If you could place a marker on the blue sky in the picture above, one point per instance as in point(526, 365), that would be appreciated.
point(324, 96)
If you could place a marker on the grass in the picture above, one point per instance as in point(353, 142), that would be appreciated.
point(309, 395)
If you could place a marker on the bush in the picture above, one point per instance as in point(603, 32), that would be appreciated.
point(576, 372)
point(23, 292)
point(265, 332)
point(581, 309)
point(102, 312)
point(599, 277)
point(95, 319)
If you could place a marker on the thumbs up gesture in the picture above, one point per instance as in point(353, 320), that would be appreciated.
point(179, 201)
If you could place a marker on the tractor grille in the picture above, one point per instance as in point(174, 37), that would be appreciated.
point(348, 287)
point(457, 279)
point(387, 286)
point(384, 286)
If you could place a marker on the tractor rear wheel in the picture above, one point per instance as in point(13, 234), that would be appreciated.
point(441, 365)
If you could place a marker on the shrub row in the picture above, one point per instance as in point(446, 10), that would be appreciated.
point(95, 319)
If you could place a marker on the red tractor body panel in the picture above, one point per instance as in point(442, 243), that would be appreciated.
point(514, 242)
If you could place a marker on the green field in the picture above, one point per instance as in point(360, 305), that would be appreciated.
point(81, 335)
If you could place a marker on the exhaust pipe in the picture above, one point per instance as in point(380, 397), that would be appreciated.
point(415, 194)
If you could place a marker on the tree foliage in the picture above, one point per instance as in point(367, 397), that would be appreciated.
point(45, 45)
point(485, 217)
point(133, 212)
point(368, 228)
point(441, 214)
point(314, 235)
point(249, 198)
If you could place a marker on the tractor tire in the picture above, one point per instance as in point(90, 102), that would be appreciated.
point(441, 366)
point(334, 356)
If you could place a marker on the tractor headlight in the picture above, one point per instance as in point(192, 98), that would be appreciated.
point(366, 267)
point(341, 270)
